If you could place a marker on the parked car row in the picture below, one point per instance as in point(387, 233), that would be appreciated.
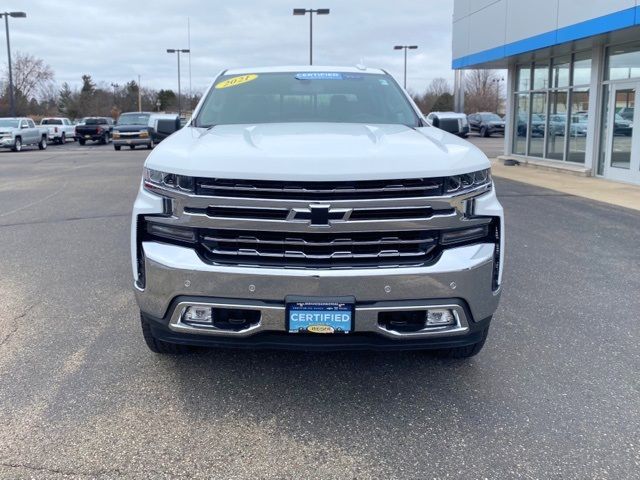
point(485, 123)
point(132, 129)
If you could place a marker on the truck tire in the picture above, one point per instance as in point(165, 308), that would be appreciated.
point(151, 145)
point(82, 141)
point(464, 352)
point(117, 147)
point(42, 144)
point(105, 139)
point(160, 346)
point(63, 139)
point(17, 145)
point(484, 132)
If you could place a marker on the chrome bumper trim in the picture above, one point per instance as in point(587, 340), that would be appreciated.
point(272, 318)
point(462, 273)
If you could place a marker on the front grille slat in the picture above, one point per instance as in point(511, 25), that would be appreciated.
point(317, 250)
point(365, 189)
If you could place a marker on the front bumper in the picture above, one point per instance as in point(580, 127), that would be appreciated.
point(462, 279)
point(7, 142)
point(123, 141)
point(177, 278)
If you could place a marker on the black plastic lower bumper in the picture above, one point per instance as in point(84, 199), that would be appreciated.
point(287, 341)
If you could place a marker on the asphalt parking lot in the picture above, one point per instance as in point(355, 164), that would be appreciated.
point(554, 394)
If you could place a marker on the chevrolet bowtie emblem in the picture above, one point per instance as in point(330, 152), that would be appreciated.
point(319, 215)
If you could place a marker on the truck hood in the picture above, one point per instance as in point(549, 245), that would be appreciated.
point(316, 151)
point(7, 130)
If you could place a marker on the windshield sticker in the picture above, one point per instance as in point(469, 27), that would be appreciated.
point(235, 81)
point(383, 82)
point(319, 76)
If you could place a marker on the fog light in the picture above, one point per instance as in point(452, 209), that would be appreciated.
point(438, 318)
point(200, 315)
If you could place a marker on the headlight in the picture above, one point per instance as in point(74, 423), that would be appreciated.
point(116, 134)
point(144, 133)
point(155, 178)
point(467, 181)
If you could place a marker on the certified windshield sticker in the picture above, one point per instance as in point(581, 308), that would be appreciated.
point(235, 81)
point(319, 76)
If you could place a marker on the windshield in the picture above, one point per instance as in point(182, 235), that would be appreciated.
point(95, 121)
point(50, 121)
point(133, 119)
point(491, 117)
point(8, 122)
point(306, 97)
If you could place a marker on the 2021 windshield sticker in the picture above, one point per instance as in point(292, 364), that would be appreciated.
point(235, 81)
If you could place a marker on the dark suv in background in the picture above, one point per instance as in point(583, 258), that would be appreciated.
point(486, 123)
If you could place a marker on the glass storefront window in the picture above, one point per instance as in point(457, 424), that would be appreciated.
point(622, 129)
point(540, 75)
point(524, 78)
point(552, 107)
point(582, 68)
point(578, 123)
point(623, 62)
point(557, 126)
point(522, 119)
point(537, 124)
point(560, 71)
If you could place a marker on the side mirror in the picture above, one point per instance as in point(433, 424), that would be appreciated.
point(435, 122)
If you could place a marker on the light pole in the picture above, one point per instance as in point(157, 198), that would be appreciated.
point(311, 11)
point(497, 81)
point(178, 51)
point(6, 16)
point(405, 48)
point(115, 87)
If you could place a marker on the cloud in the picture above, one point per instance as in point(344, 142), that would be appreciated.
point(118, 40)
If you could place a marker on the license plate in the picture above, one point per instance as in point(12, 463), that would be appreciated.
point(325, 316)
point(87, 136)
point(128, 142)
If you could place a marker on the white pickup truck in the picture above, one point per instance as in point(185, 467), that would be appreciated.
point(60, 129)
point(16, 132)
point(314, 208)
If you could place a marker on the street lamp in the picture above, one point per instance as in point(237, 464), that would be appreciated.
point(311, 11)
point(497, 81)
point(178, 51)
point(6, 16)
point(405, 48)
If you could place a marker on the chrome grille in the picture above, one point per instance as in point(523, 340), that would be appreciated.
point(319, 191)
point(359, 224)
point(318, 250)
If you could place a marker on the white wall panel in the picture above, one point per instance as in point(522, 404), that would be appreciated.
point(477, 5)
point(571, 12)
point(460, 9)
point(461, 38)
point(483, 38)
point(527, 18)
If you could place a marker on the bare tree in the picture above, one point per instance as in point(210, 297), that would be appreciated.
point(482, 91)
point(32, 77)
point(436, 97)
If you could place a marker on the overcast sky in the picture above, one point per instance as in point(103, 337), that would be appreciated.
point(116, 40)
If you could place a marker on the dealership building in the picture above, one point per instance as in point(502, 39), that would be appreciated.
point(573, 77)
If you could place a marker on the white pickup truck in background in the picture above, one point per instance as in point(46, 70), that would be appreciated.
point(60, 129)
